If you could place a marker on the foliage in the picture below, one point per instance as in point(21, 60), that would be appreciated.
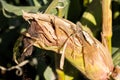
point(88, 12)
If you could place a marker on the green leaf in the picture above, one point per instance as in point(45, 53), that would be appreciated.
point(17, 10)
point(48, 74)
point(36, 3)
point(92, 17)
point(116, 56)
point(116, 45)
point(59, 8)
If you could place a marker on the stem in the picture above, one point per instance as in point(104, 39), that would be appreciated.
point(107, 23)
point(51, 6)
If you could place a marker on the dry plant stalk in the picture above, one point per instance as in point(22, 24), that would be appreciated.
point(85, 52)
point(107, 23)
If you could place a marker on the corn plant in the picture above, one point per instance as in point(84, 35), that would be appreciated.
point(62, 39)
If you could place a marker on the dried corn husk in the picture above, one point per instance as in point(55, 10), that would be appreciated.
point(85, 52)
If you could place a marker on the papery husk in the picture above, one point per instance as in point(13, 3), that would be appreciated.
point(85, 52)
point(116, 73)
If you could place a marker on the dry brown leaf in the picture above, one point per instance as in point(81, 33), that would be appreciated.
point(68, 39)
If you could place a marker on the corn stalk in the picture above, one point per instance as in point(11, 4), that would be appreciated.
point(107, 23)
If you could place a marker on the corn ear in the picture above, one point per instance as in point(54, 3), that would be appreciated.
point(85, 52)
